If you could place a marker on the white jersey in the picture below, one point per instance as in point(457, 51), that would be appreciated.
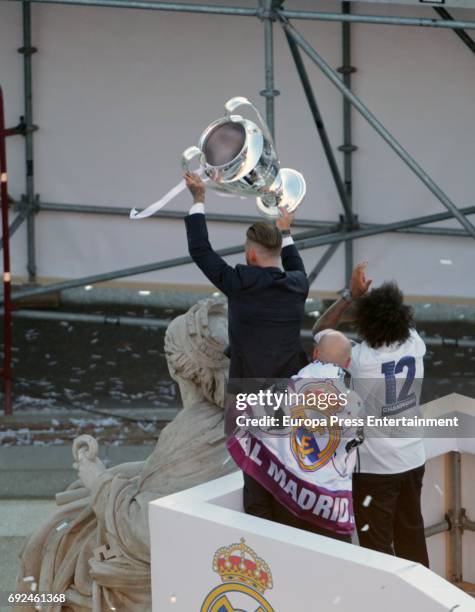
point(345, 454)
point(388, 380)
point(308, 466)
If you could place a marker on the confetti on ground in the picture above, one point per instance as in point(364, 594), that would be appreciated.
point(336, 600)
point(365, 527)
point(367, 500)
point(28, 579)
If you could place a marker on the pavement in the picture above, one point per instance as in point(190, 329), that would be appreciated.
point(18, 518)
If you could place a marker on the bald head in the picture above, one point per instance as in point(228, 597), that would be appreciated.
point(333, 347)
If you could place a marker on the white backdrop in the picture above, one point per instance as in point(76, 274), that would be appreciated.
point(118, 94)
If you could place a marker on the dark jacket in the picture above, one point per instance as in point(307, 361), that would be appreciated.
point(266, 312)
point(266, 307)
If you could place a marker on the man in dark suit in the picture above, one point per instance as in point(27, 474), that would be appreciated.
point(266, 312)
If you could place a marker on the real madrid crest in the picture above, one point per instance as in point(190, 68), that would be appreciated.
point(245, 577)
point(314, 447)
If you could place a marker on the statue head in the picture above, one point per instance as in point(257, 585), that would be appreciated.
point(194, 345)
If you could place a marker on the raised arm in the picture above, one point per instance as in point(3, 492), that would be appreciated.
point(213, 266)
point(343, 308)
point(332, 316)
point(291, 259)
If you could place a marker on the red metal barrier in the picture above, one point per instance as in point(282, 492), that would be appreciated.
point(7, 305)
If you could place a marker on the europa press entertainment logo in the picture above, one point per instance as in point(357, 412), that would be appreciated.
point(245, 578)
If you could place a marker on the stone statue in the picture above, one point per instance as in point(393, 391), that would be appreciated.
point(95, 548)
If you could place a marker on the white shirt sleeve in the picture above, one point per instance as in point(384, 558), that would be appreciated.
point(420, 345)
point(198, 207)
point(287, 240)
point(356, 350)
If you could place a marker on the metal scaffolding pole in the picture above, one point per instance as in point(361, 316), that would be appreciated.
point(269, 92)
point(437, 528)
point(464, 37)
point(371, 230)
point(322, 262)
point(455, 515)
point(304, 240)
point(107, 276)
point(378, 126)
point(133, 271)
point(174, 7)
point(14, 226)
point(7, 305)
point(241, 11)
point(317, 117)
point(347, 148)
point(81, 317)
point(113, 320)
point(378, 19)
point(231, 218)
point(170, 214)
point(430, 231)
point(29, 201)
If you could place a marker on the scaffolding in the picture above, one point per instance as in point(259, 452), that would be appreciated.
point(345, 229)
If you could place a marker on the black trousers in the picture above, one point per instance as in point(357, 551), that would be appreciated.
point(259, 502)
point(392, 523)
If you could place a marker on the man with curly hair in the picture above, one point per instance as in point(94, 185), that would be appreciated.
point(387, 369)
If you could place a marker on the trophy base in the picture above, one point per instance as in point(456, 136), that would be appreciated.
point(293, 192)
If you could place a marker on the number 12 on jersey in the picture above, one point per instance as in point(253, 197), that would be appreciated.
point(406, 398)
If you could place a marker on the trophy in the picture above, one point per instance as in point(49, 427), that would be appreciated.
point(239, 158)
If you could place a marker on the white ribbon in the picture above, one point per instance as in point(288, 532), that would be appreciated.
point(153, 208)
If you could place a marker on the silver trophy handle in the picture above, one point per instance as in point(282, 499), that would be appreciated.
point(234, 103)
point(187, 156)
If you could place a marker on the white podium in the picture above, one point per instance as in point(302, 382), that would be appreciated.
point(208, 556)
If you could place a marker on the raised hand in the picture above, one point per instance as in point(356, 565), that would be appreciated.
point(285, 220)
point(359, 284)
point(196, 186)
